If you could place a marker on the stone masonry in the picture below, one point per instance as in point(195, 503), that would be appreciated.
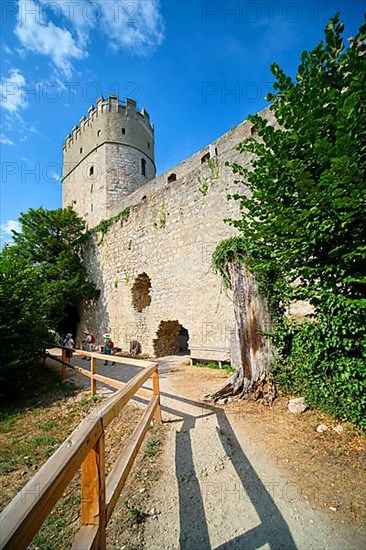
point(164, 248)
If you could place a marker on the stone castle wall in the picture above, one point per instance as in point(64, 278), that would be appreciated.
point(171, 232)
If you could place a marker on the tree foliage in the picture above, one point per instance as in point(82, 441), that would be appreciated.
point(41, 277)
point(303, 227)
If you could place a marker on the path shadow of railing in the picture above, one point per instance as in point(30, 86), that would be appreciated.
point(273, 529)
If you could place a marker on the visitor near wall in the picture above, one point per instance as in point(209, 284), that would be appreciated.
point(68, 343)
point(108, 347)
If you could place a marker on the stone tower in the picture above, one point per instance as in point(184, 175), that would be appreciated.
point(107, 156)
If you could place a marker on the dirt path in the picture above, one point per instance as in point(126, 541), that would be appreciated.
point(221, 490)
point(222, 487)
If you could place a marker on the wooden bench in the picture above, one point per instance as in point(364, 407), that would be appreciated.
point(210, 355)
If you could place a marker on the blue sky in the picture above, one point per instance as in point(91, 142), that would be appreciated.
point(198, 67)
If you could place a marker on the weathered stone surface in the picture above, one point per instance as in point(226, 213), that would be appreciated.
point(321, 428)
point(297, 405)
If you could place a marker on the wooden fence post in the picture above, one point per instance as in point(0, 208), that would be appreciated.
point(156, 390)
point(93, 382)
point(93, 510)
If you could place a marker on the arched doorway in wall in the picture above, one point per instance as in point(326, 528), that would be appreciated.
point(70, 321)
point(171, 339)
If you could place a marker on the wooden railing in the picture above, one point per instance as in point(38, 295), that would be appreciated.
point(21, 520)
point(92, 373)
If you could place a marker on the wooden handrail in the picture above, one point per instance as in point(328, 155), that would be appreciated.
point(21, 520)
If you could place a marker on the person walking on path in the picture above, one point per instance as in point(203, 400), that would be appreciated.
point(70, 344)
point(108, 347)
point(88, 343)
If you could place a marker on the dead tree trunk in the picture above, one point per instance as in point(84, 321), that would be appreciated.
point(252, 351)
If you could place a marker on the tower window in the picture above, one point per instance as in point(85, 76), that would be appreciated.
point(143, 167)
point(205, 158)
point(172, 177)
point(99, 133)
point(148, 144)
point(91, 170)
point(123, 131)
point(81, 150)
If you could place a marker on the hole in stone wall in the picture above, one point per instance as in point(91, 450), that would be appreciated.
point(91, 170)
point(123, 131)
point(81, 150)
point(205, 158)
point(172, 339)
point(172, 177)
point(141, 292)
point(99, 133)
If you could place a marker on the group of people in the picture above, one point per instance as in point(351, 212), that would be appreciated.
point(88, 344)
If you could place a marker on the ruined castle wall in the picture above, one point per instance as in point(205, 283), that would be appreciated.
point(170, 235)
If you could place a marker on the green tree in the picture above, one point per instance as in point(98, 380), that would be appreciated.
point(304, 217)
point(42, 277)
point(303, 231)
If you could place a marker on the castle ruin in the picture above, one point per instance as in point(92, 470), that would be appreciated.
point(153, 265)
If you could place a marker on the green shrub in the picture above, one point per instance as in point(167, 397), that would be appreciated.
point(326, 363)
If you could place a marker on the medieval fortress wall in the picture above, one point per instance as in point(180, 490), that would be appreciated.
point(154, 270)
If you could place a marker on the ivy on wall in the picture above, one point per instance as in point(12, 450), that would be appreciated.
point(104, 226)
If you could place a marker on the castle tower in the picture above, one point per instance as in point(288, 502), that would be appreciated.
point(107, 156)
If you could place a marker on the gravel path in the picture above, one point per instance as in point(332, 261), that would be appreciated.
point(219, 489)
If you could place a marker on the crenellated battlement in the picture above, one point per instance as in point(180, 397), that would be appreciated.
point(111, 106)
point(106, 157)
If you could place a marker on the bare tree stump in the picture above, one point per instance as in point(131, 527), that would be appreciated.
point(252, 352)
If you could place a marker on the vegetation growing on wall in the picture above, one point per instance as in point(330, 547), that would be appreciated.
point(160, 220)
point(213, 165)
point(203, 185)
point(204, 182)
point(302, 229)
point(104, 226)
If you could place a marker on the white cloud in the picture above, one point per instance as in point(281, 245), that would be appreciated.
point(13, 97)
point(62, 30)
point(135, 26)
point(9, 226)
point(7, 50)
point(43, 37)
point(4, 140)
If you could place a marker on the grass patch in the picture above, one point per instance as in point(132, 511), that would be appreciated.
point(86, 403)
point(215, 365)
point(137, 516)
point(151, 448)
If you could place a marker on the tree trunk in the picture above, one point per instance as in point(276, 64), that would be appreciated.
point(252, 351)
